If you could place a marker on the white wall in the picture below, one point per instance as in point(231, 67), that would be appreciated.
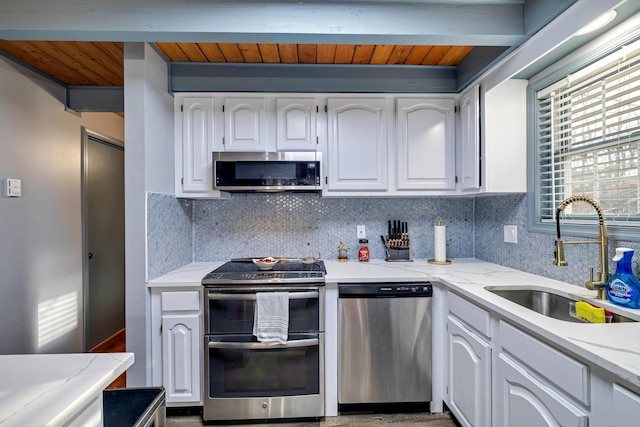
point(40, 233)
point(148, 167)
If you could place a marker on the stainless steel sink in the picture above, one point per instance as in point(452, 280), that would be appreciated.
point(547, 303)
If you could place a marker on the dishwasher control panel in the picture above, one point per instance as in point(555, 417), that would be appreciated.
point(385, 290)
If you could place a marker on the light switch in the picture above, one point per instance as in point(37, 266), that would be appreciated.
point(511, 234)
point(11, 187)
point(360, 232)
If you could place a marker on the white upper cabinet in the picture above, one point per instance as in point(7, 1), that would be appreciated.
point(470, 139)
point(296, 124)
point(245, 126)
point(197, 144)
point(493, 139)
point(426, 144)
point(357, 145)
point(504, 138)
point(194, 124)
point(385, 145)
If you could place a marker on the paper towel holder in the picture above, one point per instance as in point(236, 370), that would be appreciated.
point(433, 261)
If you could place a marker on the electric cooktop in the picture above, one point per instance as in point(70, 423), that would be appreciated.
point(244, 271)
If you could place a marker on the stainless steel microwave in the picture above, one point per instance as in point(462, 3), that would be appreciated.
point(267, 172)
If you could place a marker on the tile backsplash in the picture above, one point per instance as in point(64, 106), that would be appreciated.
point(534, 252)
point(169, 231)
point(180, 231)
point(289, 224)
point(295, 224)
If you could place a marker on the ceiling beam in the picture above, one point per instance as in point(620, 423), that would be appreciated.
point(95, 98)
point(211, 77)
point(278, 21)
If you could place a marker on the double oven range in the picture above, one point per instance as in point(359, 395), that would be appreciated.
point(246, 379)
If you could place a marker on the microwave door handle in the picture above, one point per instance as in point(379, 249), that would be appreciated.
point(263, 345)
point(252, 296)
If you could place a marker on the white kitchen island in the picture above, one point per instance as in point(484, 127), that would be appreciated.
point(57, 389)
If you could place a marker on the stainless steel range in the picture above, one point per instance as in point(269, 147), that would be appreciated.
point(246, 379)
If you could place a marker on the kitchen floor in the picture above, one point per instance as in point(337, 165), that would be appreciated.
point(359, 420)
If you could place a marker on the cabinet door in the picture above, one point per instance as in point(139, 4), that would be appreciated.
point(470, 139)
point(626, 407)
point(526, 402)
point(245, 124)
point(181, 357)
point(469, 376)
point(197, 145)
point(296, 124)
point(357, 145)
point(426, 144)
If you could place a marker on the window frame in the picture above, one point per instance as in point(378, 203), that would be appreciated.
point(586, 227)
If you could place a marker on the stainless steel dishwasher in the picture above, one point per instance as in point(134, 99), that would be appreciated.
point(384, 352)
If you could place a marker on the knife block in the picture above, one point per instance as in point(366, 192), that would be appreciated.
point(398, 249)
point(398, 253)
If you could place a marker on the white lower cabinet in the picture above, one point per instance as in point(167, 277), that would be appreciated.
point(538, 385)
point(625, 409)
point(180, 373)
point(500, 375)
point(525, 401)
point(468, 392)
point(469, 375)
point(176, 346)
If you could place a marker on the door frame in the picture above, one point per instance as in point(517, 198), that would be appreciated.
point(87, 134)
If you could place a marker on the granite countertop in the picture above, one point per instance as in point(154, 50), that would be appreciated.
point(612, 347)
point(51, 389)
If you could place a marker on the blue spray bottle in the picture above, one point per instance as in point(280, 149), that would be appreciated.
point(623, 288)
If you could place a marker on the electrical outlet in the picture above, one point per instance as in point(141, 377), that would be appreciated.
point(511, 234)
point(360, 232)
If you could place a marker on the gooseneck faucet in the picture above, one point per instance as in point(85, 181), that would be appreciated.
point(603, 241)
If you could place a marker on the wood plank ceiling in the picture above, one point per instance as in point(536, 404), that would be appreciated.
point(101, 63)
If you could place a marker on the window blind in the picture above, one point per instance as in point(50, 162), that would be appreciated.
point(588, 133)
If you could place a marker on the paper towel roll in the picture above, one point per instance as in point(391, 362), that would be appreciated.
point(440, 240)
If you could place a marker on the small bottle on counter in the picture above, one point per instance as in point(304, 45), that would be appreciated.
point(363, 252)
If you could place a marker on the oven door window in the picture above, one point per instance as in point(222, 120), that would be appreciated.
point(269, 371)
point(229, 316)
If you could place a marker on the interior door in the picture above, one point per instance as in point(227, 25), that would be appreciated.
point(103, 228)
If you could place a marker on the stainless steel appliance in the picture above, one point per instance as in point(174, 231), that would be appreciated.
point(134, 407)
point(267, 172)
point(246, 379)
point(384, 351)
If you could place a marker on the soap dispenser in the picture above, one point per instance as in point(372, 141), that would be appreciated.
point(623, 288)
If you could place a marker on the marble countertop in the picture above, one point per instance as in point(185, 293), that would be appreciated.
point(50, 389)
point(613, 347)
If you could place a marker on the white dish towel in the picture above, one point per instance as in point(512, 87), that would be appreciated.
point(271, 317)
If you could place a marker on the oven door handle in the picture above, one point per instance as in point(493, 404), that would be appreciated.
point(265, 345)
point(252, 296)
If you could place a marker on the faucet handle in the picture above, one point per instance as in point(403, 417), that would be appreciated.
point(591, 274)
